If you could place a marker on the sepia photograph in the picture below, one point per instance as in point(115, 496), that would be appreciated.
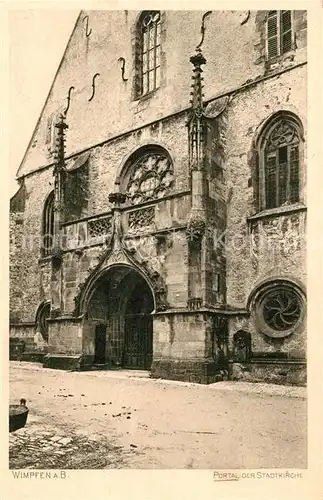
point(158, 233)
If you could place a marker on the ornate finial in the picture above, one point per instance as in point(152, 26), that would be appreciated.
point(197, 60)
point(60, 142)
point(197, 94)
point(196, 123)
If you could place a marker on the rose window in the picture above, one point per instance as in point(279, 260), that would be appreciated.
point(151, 178)
point(280, 311)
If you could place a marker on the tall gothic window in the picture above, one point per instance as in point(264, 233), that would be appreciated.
point(148, 31)
point(280, 162)
point(279, 32)
point(48, 225)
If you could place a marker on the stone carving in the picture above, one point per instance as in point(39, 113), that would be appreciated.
point(99, 227)
point(216, 107)
point(117, 198)
point(159, 287)
point(242, 346)
point(141, 218)
point(194, 303)
point(254, 246)
point(57, 256)
point(115, 251)
point(220, 331)
point(151, 178)
point(220, 325)
point(195, 231)
point(117, 256)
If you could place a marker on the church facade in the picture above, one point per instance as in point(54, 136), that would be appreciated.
point(160, 222)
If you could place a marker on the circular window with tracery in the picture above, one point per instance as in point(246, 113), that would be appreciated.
point(280, 311)
point(151, 177)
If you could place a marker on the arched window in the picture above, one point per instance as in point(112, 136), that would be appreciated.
point(280, 161)
point(48, 225)
point(148, 51)
point(279, 32)
point(149, 175)
point(43, 315)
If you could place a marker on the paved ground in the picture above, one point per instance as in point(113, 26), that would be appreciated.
point(102, 419)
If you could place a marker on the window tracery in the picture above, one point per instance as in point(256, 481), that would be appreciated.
point(151, 177)
point(280, 163)
point(280, 309)
point(149, 46)
point(99, 227)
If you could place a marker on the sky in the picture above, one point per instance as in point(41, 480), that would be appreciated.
point(37, 40)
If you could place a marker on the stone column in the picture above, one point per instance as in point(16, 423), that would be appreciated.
point(57, 257)
point(197, 217)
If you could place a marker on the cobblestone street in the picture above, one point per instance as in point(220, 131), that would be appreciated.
point(41, 446)
point(95, 420)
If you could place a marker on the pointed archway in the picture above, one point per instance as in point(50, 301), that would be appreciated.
point(118, 320)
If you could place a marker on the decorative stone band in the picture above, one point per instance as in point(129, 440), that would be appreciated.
point(99, 227)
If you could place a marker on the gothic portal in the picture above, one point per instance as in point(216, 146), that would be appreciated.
point(119, 316)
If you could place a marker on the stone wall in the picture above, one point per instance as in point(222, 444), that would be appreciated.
point(183, 347)
point(65, 336)
point(15, 266)
point(272, 372)
point(114, 108)
point(287, 256)
point(29, 282)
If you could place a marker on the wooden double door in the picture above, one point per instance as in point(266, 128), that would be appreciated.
point(138, 341)
point(125, 334)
